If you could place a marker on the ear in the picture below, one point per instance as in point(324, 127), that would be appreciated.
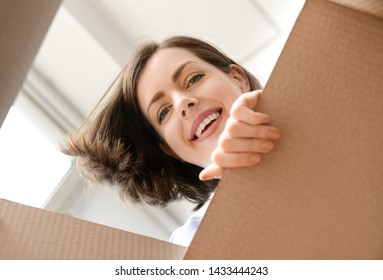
point(239, 74)
point(169, 151)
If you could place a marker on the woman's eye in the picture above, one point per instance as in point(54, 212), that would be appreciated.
point(162, 114)
point(194, 78)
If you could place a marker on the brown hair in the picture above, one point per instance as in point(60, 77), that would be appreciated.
point(116, 144)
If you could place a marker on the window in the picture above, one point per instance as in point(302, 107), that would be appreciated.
point(31, 165)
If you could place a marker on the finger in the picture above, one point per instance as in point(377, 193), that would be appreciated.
point(248, 99)
point(249, 116)
point(211, 172)
point(231, 160)
point(244, 145)
point(243, 130)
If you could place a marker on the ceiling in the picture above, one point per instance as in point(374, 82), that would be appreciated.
point(90, 40)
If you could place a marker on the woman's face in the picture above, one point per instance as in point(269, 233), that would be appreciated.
point(188, 101)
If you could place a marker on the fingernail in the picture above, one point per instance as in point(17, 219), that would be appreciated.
point(273, 134)
point(204, 177)
point(266, 146)
point(201, 178)
point(254, 158)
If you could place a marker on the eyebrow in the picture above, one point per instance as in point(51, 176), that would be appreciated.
point(155, 98)
point(179, 70)
point(175, 76)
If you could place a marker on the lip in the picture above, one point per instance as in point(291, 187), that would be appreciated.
point(199, 119)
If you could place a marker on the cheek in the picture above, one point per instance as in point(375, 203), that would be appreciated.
point(172, 135)
point(228, 99)
point(227, 93)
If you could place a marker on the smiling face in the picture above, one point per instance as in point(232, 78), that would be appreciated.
point(187, 101)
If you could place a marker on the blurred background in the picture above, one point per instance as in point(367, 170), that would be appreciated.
point(87, 44)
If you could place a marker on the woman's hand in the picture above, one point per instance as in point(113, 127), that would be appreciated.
point(246, 136)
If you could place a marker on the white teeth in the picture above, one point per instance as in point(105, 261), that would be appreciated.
point(205, 122)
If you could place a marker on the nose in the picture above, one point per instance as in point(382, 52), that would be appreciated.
point(184, 104)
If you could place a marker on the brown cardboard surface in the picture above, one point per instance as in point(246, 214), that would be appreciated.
point(23, 25)
point(319, 195)
point(31, 233)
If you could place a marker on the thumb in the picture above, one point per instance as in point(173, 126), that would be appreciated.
point(248, 99)
point(212, 171)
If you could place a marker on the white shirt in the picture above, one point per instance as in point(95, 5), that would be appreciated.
point(184, 234)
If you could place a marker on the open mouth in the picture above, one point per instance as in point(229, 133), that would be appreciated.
point(205, 124)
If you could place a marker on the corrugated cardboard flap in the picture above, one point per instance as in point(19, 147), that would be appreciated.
point(319, 195)
point(31, 233)
point(23, 25)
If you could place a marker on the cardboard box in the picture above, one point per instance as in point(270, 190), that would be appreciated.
point(23, 25)
point(32, 233)
point(319, 195)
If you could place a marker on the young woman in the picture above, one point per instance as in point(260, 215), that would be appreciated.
point(178, 114)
